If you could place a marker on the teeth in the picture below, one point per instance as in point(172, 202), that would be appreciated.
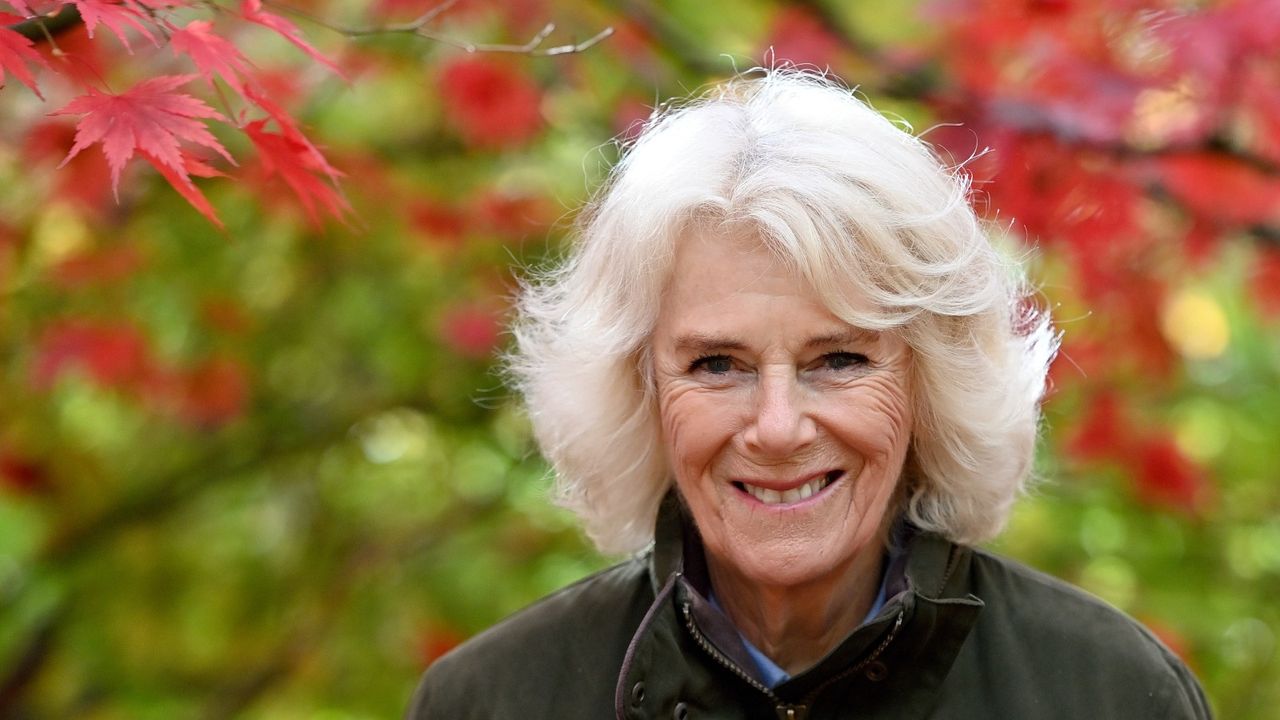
point(794, 495)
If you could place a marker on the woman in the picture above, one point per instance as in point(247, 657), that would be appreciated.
point(785, 358)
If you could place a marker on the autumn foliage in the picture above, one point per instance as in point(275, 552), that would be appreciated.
point(256, 255)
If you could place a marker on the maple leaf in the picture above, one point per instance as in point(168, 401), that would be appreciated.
point(151, 119)
point(1221, 188)
point(211, 53)
point(289, 128)
point(253, 12)
point(115, 15)
point(490, 103)
point(112, 354)
point(1104, 430)
point(299, 164)
point(15, 52)
point(1165, 476)
point(21, 6)
point(181, 182)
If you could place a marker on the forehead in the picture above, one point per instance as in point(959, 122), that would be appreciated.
point(727, 282)
point(727, 261)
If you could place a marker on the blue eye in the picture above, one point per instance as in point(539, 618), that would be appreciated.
point(843, 360)
point(714, 364)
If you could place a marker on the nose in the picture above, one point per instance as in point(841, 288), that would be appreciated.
point(781, 426)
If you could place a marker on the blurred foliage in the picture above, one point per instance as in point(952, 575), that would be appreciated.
point(270, 472)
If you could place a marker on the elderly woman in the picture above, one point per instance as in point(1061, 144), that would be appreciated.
point(786, 369)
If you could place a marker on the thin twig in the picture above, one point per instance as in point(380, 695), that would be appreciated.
point(418, 27)
point(410, 27)
point(533, 47)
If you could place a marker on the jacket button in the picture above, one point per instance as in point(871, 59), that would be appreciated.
point(681, 712)
point(876, 671)
point(637, 694)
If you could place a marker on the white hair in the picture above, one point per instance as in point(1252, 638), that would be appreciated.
point(851, 201)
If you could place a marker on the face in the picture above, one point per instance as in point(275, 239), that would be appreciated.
point(785, 427)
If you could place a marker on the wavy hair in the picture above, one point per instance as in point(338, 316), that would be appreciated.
point(851, 201)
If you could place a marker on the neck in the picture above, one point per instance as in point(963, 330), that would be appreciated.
point(797, 625)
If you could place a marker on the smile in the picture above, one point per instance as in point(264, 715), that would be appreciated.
point(770, 496)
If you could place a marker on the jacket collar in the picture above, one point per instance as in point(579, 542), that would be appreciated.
point(898, 658)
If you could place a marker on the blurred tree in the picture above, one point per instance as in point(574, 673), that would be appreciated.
point(254, 461)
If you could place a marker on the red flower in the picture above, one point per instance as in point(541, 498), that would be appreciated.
point(490, 103)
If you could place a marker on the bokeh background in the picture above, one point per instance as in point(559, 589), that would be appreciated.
point(270, 472)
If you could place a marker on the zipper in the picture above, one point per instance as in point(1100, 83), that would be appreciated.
point(893, 632)
point(720, 658)
point(785, 711)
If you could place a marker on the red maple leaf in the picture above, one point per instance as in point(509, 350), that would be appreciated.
point(112, 354)
point(85, 182)
point(182, 182)
point(1222, 188)
point(152, 120)
point(1165, 476)
point(1104, 430)
point(253, 12)
point(212, 53)
point(15, 52)
point(491, 104)
point(302, 168)
point(148, 117)
point(21, 6)
point(1265, 281)
point(117, 16)
point(289, 128)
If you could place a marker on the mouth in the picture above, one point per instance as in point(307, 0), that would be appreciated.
point(769, 496)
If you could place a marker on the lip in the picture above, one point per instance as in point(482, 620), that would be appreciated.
point(836, 477)
point(832, 474)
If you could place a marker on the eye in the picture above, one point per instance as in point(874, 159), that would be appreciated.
point(843, 360)
point(714, 364)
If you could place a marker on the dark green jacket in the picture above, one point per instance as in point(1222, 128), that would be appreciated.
point(965, 634)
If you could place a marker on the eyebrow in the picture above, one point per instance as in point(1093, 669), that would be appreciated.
point(705, 343)
point(702, 343)
point(843, 337)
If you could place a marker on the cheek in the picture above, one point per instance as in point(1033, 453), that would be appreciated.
point(880, 421)
point(694, 426)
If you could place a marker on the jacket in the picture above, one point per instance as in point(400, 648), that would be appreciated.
point(964, 634)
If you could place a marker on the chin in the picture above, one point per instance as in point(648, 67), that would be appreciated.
point(784, 562)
